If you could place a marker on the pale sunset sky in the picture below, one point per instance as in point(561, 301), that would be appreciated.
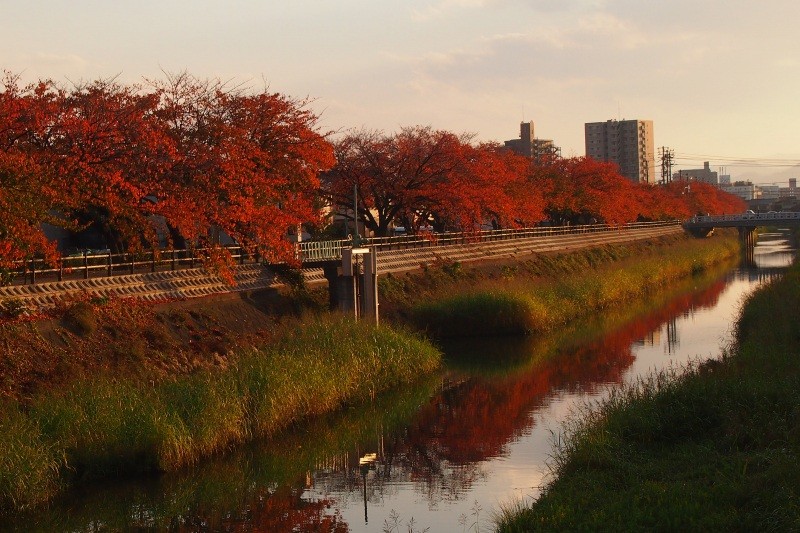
point(720, 79)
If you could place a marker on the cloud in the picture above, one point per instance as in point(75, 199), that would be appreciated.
point(444, 7)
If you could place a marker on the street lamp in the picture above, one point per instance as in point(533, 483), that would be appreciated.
point(356, 236)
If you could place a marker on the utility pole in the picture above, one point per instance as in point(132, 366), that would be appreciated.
point(667, 156)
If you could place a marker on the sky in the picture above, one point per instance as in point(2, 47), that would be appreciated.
point(720, 79)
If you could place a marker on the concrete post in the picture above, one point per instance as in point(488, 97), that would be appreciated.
point(369, 298)
point(348, 284)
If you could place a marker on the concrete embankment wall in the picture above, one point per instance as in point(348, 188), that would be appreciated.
point(191, 283)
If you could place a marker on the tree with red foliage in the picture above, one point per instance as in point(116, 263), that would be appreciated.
point(108, 150)
point(581, 190)
point(193, 155)
point(703, 198)
point(490, 186)
point(420, 176)
point(393, 176)
point(247, 164)
point(29, 191)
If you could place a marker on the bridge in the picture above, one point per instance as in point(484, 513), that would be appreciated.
point(179, 274)
point(746, 222)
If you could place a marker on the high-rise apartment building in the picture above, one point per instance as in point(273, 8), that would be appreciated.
point(628, 143)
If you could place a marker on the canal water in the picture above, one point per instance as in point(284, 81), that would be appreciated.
point(442, 455)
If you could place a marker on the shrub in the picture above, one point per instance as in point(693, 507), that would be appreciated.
point(80, 318)
point(12, 308)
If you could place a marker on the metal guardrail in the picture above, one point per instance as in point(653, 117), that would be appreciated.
point(102, 263)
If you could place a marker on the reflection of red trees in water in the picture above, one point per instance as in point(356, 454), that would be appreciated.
point(475, 420)
point(457, 430)
point(280, 511)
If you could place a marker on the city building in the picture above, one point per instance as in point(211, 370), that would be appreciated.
point(529, 146)
point(628, 143)
point(743, 189)
point(699, 174)
point(769, 192)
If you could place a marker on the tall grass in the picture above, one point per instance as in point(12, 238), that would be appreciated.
point(108, 425)
point(29, 465)
point(523, 306)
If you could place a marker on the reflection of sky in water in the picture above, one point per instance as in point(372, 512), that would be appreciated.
point(696, 334)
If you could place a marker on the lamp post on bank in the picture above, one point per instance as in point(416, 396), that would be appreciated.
point(356, 236)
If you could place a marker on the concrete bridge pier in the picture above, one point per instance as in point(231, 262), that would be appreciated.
point(747, 238)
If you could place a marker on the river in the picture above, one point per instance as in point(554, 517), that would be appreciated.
point(443, 455)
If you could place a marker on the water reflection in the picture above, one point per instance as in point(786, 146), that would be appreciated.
point(444, 452)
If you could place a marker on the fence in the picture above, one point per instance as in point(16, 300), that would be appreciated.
point(102, 263)
point(332, 250)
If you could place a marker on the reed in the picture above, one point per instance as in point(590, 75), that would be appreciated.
point(108, 425)
point(29, 466)
point(529, 305)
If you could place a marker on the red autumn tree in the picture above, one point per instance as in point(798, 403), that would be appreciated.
point(490, 186)
point(704, 198)
point(191, 155)
point(394, 176)
point(108, 149)
point(581, 190)
point(29, 191)
point(247, 164)
point(420, 176)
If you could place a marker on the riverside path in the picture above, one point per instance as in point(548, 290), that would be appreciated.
point(149, 279)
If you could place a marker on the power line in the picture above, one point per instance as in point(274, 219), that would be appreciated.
point(738, 161)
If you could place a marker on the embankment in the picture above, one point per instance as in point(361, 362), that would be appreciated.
point(110, 387)
point(539, 296)
point(107, 425)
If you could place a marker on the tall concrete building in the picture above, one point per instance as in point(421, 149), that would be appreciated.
point(628, 143)
point(530, 146)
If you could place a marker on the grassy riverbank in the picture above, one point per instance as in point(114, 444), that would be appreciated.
point(711, 448)
point(119, 387)
point(518, 304)
point(107, 425)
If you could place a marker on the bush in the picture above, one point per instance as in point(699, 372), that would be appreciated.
point(80, 318)
point(12, 308)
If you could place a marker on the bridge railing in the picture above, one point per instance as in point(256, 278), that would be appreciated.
point(778, 216)
point(103, 263)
